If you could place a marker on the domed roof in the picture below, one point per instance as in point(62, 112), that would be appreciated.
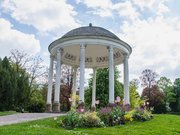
point(90, 31)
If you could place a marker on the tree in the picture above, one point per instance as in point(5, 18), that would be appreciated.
point(134, 95)
point(148, 78)
point(102, 87)
point(18, 75)
point(7, 85)
point(66, 87)
point(155, 99)
point(31, 64)
point(165, 85)
point(175, 106)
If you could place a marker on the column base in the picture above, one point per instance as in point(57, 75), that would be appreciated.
point(93, 108)
point(111, 105)
point(48, 108)
point(56, 107)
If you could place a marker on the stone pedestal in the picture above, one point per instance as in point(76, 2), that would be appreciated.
point(93, 108)
point(56, 107)
point(48, 108)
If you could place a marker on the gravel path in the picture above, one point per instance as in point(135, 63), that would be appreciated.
point(23, 117)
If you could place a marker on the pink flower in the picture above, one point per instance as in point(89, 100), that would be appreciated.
point(115, 101)
point(97, 102)
point(118, 98)
point(81, 110)
point(70, 99)
point(124, 103)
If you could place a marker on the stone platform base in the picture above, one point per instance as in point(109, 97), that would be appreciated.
point(56, 107)
point(48, 108)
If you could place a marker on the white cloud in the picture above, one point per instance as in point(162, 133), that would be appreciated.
point(127, 10)
point(105, 8)
point(14, 39)
point(156, 45)
point(101, 8)
point(44, 15)
point(156, 6)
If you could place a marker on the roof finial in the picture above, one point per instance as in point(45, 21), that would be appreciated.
point(90, 24)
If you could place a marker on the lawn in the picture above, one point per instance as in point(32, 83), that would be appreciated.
point(164, 124)
point(7, 113)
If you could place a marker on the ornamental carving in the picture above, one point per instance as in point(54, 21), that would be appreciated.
point(88, 60)
point(117, 55)
point(70, 57)
point(102, 59)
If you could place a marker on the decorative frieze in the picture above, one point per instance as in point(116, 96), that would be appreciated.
point(102, 59)
point(70, 57)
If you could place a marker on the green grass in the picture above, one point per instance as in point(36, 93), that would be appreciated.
point(7, 113)
point(164, 124)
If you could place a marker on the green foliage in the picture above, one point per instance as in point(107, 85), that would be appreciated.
point(74, 119)
point(36, 102)
point(102, 87)
point(138, 114)
point(113, 115)
point(166, 86)
point(15, 88)
point(135, 100)
point(8, 85)
point(71, 120)
point(142, 115)
point(105, 115)
point(155, 97)
point(175, 106)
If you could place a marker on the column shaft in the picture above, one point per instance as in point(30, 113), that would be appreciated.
point(58, 81)
point(82, 68)
point(126, 80)
point(111, 76)
point(94, 88)
point(50, 77)
point(74, 87)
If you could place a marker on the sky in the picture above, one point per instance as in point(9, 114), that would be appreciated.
point(150, 27)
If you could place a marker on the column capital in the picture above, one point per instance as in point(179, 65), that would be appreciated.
point(51, 56)
point(82, 46)
point(94, 68)
point(126, 56)
point(75, 67)
point(110, 47)
point(59, 50)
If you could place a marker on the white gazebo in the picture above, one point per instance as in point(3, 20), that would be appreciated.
point(87, 47)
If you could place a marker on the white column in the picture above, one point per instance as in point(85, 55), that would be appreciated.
point(74, 87)
point(50, 77)
point(58, 77)
point(94, 88)
point(82, 68)
point(126, 80)
point(111, 75)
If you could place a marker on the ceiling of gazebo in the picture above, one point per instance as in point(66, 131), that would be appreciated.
point(95, 56)
point(97, 40)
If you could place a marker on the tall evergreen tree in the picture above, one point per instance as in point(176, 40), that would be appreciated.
point(102, 87)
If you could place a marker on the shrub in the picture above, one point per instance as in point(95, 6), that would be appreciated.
point(140, 114)
point(92, 120)
point(160, 108)
point(129, 116)
point(104, 114)
point(71, 120)
point(113, 115)
point(36, 102)
point(75, 119)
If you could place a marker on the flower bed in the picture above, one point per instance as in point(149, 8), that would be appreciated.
point(115, 114)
